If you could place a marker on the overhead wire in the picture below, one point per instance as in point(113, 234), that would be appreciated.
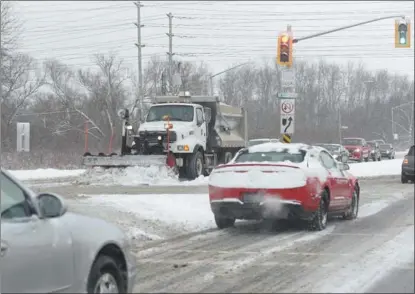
point(243, 18)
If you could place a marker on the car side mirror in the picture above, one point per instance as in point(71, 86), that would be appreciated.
point(51, 205)
point(343, 166)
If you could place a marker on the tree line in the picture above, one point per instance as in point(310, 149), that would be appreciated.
point(60, 101)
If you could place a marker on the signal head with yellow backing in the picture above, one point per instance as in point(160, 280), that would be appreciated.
point(402, 33)
point(285, 50)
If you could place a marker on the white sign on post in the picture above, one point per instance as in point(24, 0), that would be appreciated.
point(23, 137)
point(287, 78)
point(287, 116)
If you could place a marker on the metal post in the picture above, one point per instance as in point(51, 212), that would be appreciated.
point(222, 72)
point(170, 53)
point(346, 27)
point(140, 59)
point(393, 126)
point(340, 126)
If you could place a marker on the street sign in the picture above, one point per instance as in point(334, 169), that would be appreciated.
point(23, 137)
point(287, 78)
point(287, 95)
point(287, 116)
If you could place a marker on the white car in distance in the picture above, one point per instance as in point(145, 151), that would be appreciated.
point(47, 249)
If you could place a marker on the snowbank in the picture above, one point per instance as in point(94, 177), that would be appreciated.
point(48, 173)
point(184, 212)
point(376, 169)
point(188, 212)
point(135, 176)
point(161, 176)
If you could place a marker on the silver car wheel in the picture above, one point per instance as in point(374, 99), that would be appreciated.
point(106, 284)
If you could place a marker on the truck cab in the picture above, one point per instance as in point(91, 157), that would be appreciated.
point(186, 124)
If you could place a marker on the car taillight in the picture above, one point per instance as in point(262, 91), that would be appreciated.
point(405, 161)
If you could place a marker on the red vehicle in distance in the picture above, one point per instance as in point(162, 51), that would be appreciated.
point(358, 148)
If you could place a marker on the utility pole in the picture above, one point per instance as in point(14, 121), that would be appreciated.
point(170, 53)
point(140, 59)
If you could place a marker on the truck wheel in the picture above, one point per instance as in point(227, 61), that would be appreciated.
point(319, 220)
point(379, 158)
point(367, 159)
point(224, 222)
point(195, 168)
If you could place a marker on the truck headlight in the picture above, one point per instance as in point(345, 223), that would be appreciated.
point(159, 138)
point(183, 147)
point(357, 150)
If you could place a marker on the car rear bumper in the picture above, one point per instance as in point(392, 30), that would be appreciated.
point(408, 171)
point(281, 209)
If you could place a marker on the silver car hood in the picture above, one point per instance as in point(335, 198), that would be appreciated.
point(93, 229)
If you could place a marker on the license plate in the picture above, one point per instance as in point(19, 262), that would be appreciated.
point(252, 197)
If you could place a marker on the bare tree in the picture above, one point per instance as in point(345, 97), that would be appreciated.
point(10, 28)
point(20, 81)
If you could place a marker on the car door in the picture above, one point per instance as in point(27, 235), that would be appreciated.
point(200, 121)
point(36, 254)
point(338, 182)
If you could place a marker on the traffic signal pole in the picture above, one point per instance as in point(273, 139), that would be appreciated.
point(345, 28)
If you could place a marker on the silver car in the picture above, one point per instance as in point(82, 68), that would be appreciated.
point(45, 248)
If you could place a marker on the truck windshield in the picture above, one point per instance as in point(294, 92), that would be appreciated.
point(274, 156)
point(175, 112)
point(357, 142)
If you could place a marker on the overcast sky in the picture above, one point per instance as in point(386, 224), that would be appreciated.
point(221, 33)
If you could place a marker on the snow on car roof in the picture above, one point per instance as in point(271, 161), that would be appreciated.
point(260, 139)
point(277, 147)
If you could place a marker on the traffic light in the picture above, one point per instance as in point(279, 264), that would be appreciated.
point(285, 50)
point(402, 33)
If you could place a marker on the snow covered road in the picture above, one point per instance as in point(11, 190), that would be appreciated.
point(181, 251)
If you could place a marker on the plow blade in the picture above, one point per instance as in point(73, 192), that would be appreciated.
point(124, 161)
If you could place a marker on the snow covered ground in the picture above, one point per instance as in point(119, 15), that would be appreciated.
point(135, 176)
point(190, 212)
point(45, 173)
point(376, 168)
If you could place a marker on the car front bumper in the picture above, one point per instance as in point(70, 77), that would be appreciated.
point(281, 209)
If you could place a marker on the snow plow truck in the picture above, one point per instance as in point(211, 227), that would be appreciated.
point(189, 134)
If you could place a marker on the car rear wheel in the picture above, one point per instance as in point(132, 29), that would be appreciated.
point(404, 179)
point(319, 220)
point(224, 222)
point(354, 208)
point(106, 277)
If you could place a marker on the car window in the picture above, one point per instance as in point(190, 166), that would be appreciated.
point(199, 116)
point(327, 161)
point(351, 141)
point(14, 203)
point(273, 156)
point(411, 151)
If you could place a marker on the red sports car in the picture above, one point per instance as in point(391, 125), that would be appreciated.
point(283, 181)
